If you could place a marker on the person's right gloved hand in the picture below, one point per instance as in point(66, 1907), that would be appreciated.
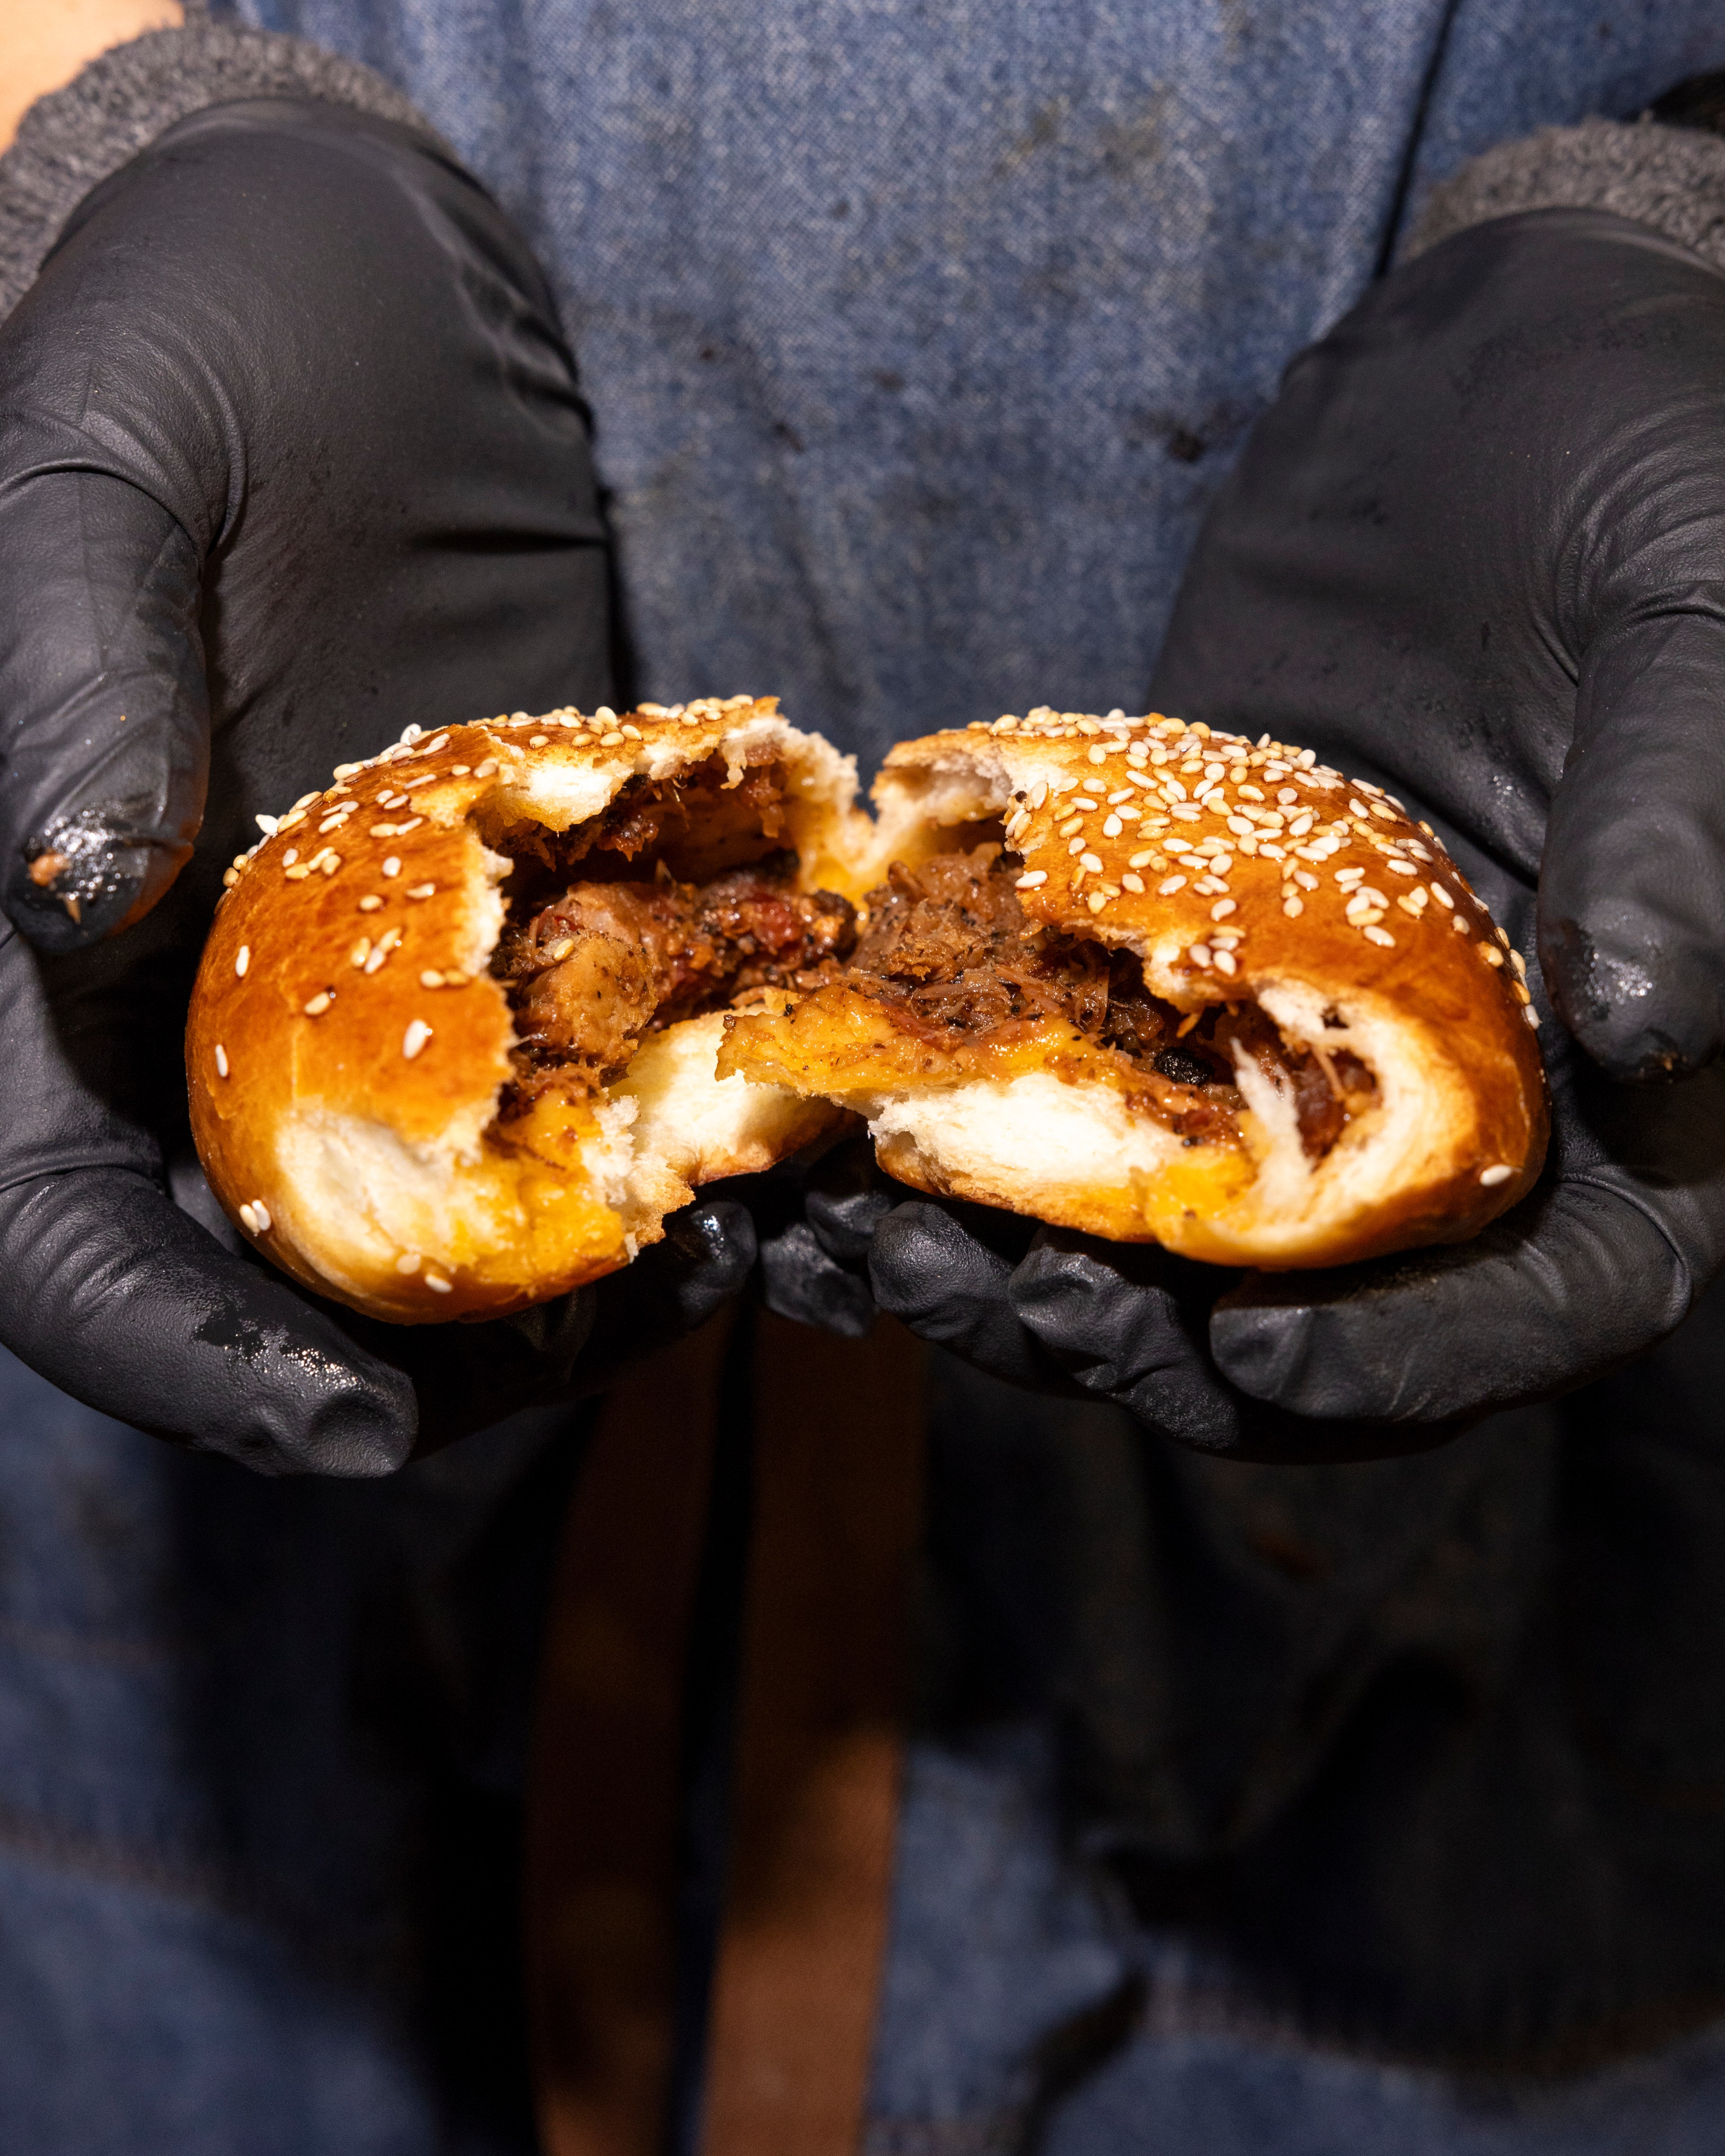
point(291, 456)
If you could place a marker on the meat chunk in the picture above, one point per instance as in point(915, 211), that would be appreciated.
point(949, 953)
point(603, 964)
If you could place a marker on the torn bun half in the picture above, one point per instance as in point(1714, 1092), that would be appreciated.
point(451, 1047)
point(1161, 984)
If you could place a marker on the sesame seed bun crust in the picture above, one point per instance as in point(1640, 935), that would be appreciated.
point(346, 1047)
point(1237, 873)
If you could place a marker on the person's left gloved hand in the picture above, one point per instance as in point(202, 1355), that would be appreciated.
point(1477, 553)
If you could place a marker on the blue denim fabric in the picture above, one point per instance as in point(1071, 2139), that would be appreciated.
point(1009, 1950)
point(918, 333)
point(261, 1758)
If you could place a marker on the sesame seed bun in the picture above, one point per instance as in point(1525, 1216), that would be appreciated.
point(347, 1049)
point(1240, 876)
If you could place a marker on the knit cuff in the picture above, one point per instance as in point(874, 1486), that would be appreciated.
point(1672, 178)
point(72, 139)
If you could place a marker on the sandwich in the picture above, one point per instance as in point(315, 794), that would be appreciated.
point(474, 1018)
point(452, 1045)
point(1163, 984)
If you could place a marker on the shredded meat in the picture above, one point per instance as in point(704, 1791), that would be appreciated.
point(598, 968)
point(949, 953)
point(698, 824)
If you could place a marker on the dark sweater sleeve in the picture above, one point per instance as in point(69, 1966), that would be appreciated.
point(72, 139)
point(1670, 177)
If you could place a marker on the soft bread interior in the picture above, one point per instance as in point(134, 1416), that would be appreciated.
point(1068, 1150)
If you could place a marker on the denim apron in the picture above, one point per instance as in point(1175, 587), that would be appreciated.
point(917, 338)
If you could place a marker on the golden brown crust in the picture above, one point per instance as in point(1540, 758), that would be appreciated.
point(345, 1044)
point(1236, 872)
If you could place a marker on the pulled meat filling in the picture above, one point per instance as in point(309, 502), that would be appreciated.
point(950, 955)
point(593, 963)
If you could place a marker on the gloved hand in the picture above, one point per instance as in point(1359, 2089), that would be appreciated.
point(1476, 552)
point(293, 456)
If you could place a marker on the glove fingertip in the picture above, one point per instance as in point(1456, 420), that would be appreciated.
point(1643, 1013)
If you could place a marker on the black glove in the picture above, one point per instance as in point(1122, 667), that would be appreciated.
point(1476, 552)
point(292, 457)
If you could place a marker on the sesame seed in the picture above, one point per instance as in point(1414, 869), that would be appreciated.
point(1169, 886)
point(1199, 954)
point(221, 1060)
point(1096, 901)
point(1223, 907)
point(1519, 963)
point(360, 952)
point(1293, 907)
point(486, 769)
point(431, 978)
point(610, 740)
point(392, 866)
point(1491, 955)
point(1493, 1176)
point(415, 1038)
point(267, 824)
point(1076, 846)
point(1039, 793)
point(437, 1281)
point(1133, 883)
point(609, 717)
point(1397, 866)
point(1224, 960)
point(436, 748)
point(328, 862)
point(370, 903)
point(538, 741)
point(297, 875)
point(1091, 862)
point(1071, 824)
point(319, 1004)
point(1531, 1015)
point(461, 770)
point(333, 823)
point(241, 959)
point(1373, 934)
point(409, 1262)
point(1460, 921)
point(1030, 880)
point(1139, 861)
point(421, 890)
point(1112, 828)
point(1098, 753)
